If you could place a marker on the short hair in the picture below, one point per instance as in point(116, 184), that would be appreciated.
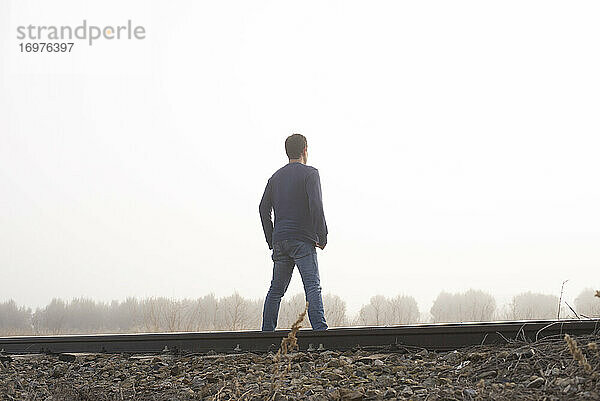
point(294, 145)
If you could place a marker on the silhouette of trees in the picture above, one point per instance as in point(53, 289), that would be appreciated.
point(234, 312)
point(123, 317)
point(208, 313)
point(381, 311)
point(208, 310)
point(290, 308)
point(404, 310)
point(160, 314)
point(84, 315)
point(51, 319)
point(238, 313)
point(587, 303)
point(335, 311)
point(532, 306)
point(375, 312)
point(469, 306)
point(14, 320)
point(201, 314)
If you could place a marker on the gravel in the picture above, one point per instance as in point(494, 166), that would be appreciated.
point(544, 370)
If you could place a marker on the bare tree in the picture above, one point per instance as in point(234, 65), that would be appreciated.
point(384, 311)
point(528, 306)
point(587, 304)
point(375, 313)
point(14, 319)
point(172, 311)
point(443, 309)
point(211, 311)
point(152, 313)
point(83, 315)
point(335, 310)
point(236, 313)
point(162, 314)
point(124, 316)
point(470, 306)
point(479, 306)
point(191, 315)
point(289, 310)
point(403, 310)
point(50, 319)
point(255, 307)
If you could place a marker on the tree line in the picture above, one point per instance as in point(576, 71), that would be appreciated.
point(234, 312)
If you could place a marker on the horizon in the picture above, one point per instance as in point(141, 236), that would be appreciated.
point(501, 308)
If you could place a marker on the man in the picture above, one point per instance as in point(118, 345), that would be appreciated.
point(294, 194)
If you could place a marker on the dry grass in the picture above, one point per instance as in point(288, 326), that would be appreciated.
point(577, 353)
point(289, 343)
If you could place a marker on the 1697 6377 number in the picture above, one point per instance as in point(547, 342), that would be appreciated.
point(47, 47)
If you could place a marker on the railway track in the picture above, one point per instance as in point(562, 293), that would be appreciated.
point(436, 337)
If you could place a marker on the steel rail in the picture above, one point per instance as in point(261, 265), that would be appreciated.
point(437, 337)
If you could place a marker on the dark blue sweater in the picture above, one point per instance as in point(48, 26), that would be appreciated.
point(294, 194)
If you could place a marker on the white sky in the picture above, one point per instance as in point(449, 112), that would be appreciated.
point(457, 144)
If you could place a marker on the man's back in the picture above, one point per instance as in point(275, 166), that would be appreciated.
point(294, 194)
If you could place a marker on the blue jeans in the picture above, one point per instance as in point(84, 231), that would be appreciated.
point(286, 254)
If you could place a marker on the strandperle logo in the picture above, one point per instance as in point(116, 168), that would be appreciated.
point(90, 33)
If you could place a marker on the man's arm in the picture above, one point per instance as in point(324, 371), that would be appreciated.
point(265, 214)
point(315, 206)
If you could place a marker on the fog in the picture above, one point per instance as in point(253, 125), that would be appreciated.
point(234, 312)
point(456, 142)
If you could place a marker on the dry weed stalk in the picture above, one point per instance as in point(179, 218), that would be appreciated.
point(562, 288)
point(577, 354)
point(597, 293)
point(288, 343)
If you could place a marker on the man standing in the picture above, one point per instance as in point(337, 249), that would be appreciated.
point(294, 194)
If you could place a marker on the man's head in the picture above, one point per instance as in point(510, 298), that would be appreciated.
point(296, 147)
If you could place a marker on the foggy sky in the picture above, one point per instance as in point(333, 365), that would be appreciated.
point(457, 144)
